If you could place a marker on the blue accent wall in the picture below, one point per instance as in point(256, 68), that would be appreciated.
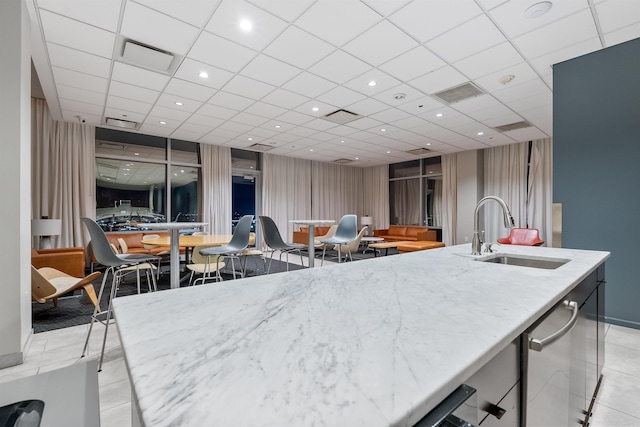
point(596, 166)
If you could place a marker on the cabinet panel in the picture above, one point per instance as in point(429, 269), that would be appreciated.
point(511, 404)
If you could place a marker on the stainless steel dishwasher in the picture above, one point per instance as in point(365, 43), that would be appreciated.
point(547, 353)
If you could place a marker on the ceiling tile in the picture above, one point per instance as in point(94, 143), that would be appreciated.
point(323, 109)
point(284, 9)
point(128, 105)
point(79, 61)
point(622, 35)
point(522, 72)
point(383, 82)
point(214, 50)
point(555, 35)
point(380, 44)
point(399, 95)
point(489, 61)
point(320, 124)
point(502, 120)
point(82, 95)
point(230, 100)
point(250, 88)
point(367, 107)
point(137, 93)
point(339, 67)
point(389, 116)
point(118, 113)
point(340, 96)
point(68, 104)
point(412, 64)
point(421, 105)
point(226, 23)
point(168, 114)
point(509, 16)
point(309, 85)
point(436, 81)
point(519, 91)
point(139, 77)
point(80, 80)
point(467, 39)
point(187, 135)
point(299, 48)
point(269, 70)
point(103, 14)
point(249, 119)
point(385, 7)
point(77, 35)
point(265, 110)
point(217, 111)
point(156, 29)
point(190, 70)
point(168, 100)
point(614, 15)
point(295, 118)
point(436, 17)
point(353, 19)
point(362, 124)
point(543, 64)
point(187, 90)
point(285, 99)
point(202, 120)
point(194, 12)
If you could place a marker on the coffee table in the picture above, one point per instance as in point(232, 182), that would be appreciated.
point(368, 240)
point(386, 246)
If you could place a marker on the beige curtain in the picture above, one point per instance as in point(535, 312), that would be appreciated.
point(336, 190)
point(375, 185)
point(286, 191)
point(540, 192)
point(505, 176)
point(449, 198)
point(216, 188)
point(63, 182)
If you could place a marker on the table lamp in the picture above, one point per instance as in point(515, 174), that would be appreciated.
point(45, 228)
point(367, 220)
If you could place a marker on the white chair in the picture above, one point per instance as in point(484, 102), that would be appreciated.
point(353, 245)
point(146, 267)
point(346, 232)
point(201, 265)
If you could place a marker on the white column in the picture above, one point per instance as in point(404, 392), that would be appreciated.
point(470, 191)
point(15, 181)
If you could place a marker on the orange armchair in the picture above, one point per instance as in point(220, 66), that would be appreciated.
point(522, 236)
point(68, 260)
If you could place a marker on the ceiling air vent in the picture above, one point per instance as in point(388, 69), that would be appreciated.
point(121, 123)
point(146, 56)
point(261, 147)
point(342, 161)
point(419, 151)
point(513, 126)
point(341, 116)
point(458, 93)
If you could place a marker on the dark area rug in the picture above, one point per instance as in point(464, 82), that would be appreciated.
point(76, 309)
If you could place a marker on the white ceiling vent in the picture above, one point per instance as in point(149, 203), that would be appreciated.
point(127, 124)
point(341, 116)
point(458, 93)
point(146, 56)
point(261, 147)
point(513, 126)
point(419, 151)
point(342, 161)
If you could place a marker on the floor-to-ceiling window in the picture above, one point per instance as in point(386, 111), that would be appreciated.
point(142, 179)
point(245, 184)
point(415, 193)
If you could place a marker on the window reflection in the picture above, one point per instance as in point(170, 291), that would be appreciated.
point(433, 201)
point(184, 194)
point(404, 198)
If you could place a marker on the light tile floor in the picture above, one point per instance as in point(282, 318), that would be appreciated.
point(617, 403)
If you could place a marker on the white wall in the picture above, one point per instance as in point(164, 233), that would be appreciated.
point(15, 181)
point(470, 190)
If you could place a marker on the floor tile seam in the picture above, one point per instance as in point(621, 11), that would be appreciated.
point(621, 345)
point(617, 371)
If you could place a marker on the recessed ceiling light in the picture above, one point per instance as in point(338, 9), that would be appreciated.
point(181, 170)
point(537, 10)
point(179, 103)
point(430, 171)
point(383, 130)
point(126, 169)
point(246, 25)
point(249, 139)
point(175, 174)
point(372, 83)
point(163, 122)
point(439, 115)
point(428, 143)
point(388, 152)
point(480, 133)
point(125, 174)
point(136, 154)
point(310, 149)
point(342, 141)
point(277, 126)
point(250, 167)
point(315, 109)
point(357, 158)
point(203, 74)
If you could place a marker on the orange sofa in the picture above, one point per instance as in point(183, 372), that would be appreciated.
point(302, 236)
point(67, 260)
point(399, 233)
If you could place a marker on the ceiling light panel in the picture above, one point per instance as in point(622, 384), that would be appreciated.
point(265, 27)
point(380, 44)
point(159, 30)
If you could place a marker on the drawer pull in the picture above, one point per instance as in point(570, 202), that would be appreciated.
point(496, 411)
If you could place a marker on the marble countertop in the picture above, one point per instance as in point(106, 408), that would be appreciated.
point(376, 342)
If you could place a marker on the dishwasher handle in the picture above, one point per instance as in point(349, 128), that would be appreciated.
point(538, 345)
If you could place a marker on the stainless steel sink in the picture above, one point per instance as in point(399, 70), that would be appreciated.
point(526, 261)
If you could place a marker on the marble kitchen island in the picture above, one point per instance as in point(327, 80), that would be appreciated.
point(377, 342)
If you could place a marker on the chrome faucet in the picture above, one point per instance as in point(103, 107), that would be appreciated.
point(476, 244)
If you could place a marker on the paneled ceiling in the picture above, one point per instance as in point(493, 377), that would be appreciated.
point(303, 59)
